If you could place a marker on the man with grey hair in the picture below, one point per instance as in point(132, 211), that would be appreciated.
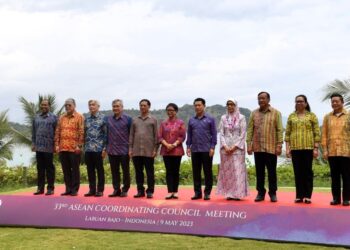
point(69, 140)
point(95, 142)
point(118, 130)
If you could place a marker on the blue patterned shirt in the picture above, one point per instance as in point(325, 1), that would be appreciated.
point(95, 133)
point(118, 130)
point(201, 133)
point(43, 132)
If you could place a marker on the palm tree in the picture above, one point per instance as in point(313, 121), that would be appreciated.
point(31, 109)
point(6, 137)
point(339, 87)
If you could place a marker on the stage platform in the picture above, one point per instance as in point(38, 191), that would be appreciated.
point(317, 223)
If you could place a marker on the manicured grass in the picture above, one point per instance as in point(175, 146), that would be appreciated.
point(34, 238)
point(31, 238)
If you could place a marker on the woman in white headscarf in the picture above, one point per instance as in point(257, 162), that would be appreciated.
point(232, 177)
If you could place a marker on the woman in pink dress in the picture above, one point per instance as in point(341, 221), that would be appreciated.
point(172, 133)
point(232, 177)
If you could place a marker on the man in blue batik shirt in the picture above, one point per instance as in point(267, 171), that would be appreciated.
point(201, 141)
point(43, 133)
point(95, 148)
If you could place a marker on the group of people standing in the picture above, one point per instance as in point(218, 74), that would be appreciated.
point(124, 138)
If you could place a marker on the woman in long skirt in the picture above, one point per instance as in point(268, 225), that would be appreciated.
point(232, 178)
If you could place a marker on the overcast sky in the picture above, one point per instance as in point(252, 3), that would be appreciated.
point(172, 51)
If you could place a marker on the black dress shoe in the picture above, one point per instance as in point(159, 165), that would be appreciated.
point(139, 195)
point(206, 197)
point(307, 201)
point(196, 197)
point(74, 194)
point(38, 192)
point(229, 199)
point(99, 194)
point(259, 197)
point(114, 194)
point(66, 193)
point(124, 194)
point(49, 192)
point(169, 196)
point(346, 203)
point(273, 198)
point(149, 196)
point(298, 200)
point(89, 194)
point(334, 202)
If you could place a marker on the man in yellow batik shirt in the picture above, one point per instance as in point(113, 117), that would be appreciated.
point(336, 148)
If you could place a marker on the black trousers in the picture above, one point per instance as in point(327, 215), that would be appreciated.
point(94, 163)
point(263, 159)
point(304, 176)
point(115, 161)
point(70, 166)
point(141, 162)
point(45, 167)
point(172, 166)
point(340, 169)
point(202, 160)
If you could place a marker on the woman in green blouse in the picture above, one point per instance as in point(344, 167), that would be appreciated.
point(302, 138)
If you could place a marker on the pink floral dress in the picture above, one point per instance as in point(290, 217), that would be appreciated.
point(232, 177)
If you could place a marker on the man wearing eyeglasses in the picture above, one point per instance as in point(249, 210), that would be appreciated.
point(69, 140)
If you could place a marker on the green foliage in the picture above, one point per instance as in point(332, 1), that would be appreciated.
point(185, 112)
point(22, 176)
point(30, 110)
point(6, 137)
point(338, 87)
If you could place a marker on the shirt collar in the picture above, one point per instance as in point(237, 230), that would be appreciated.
point(202, 117)
point(73, 114)
point(117, 118)
point(343, 112)
point(269, 109)
point(98, 114)
point(144, 118)
point(45, 115)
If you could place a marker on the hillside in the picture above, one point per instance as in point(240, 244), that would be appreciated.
point(185, 112)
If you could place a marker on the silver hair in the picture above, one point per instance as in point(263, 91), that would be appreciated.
point(94, 101)
point(118, 100)
point(70, 100)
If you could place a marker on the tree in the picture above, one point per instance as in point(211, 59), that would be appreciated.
point(339, 87)
point(6, 137)
point(30, 110)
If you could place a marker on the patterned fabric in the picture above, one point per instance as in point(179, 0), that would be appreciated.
point(233, 133)
point(336, 134)
point(172, 131)
point(143, 140)
point(95, 133)
point(43, 132)
point(118, 130)
point(69, 133)
point(265, 130)
point(232, 177)
point(302, 133)
point(201, 133)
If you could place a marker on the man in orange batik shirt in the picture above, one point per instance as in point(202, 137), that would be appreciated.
point(69, 139)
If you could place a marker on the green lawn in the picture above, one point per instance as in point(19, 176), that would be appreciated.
point(31, 238)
